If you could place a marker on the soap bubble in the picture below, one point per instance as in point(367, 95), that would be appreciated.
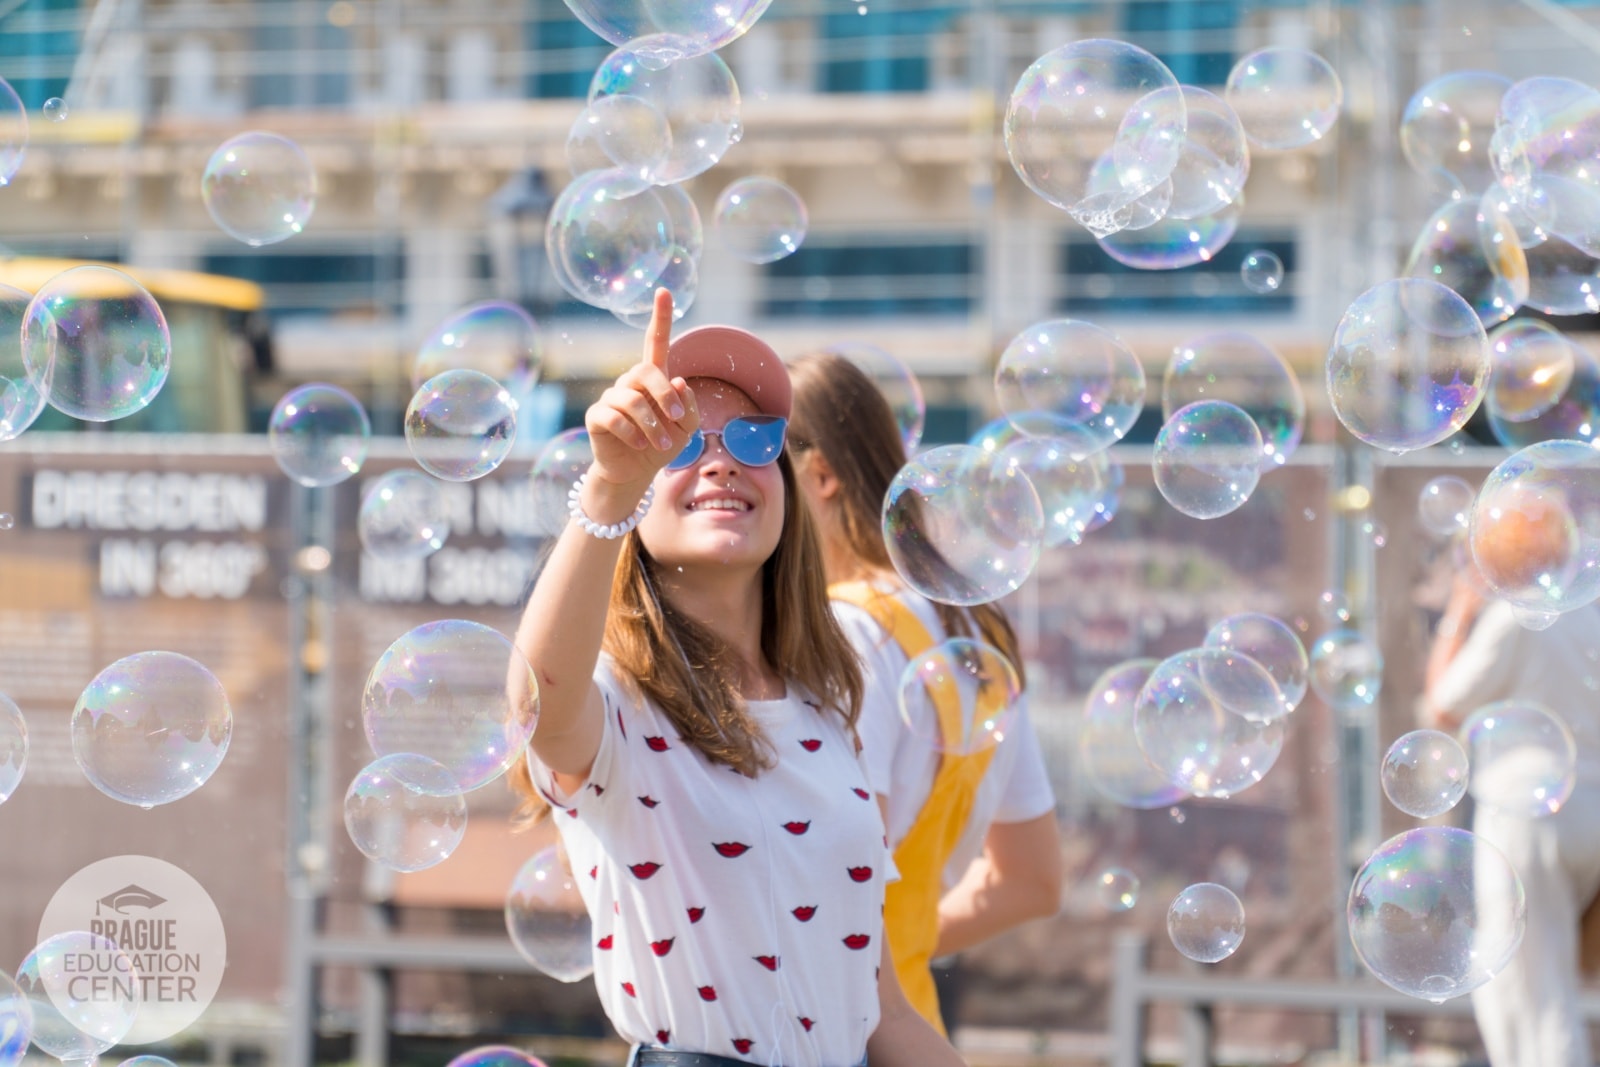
point(1206, 922)
point(1117, 888)
point(147, 1061)
point(760, 220)
point(1424, 773)
point(95, 341)
point(1446, 127)
point(55, 109)
point(961, 527)
point(496, 1056)
point(1147, 209)
point(1069, 475)
point(1078, 101)
point(1530, 367)
point(1105, 507)
point(608, 239)
point(1524, 759)
point(13, 132)
point(979, 681)
point(688, 234)
point(1208, 720)
point(1173, 243)
point(461, 425)
point(1070, 373)
point(1535, 528)
point(565, 458)
point(1346, 670)
point(1408, 365)
point(547, 921)
point(21, 399)
point(630, 133)
point(697, 95)
point(1261, 271)
point(1444, 505)
point(895, 381)
point(1111, 757)
point(663, 34)
point(82, 992)
point(1334, 607)
point(259, 188)
point(13, 752)
point(1575, 414)
point(680, 277)
point(1562, 279)
point(1271, 644)
point(151, 728)
point(1242, 370)
point(1547, 148)
point(1471, 248)
point(1418, 924)
point(1208, 459)
point(7, 521)
point(1215, 159)
point(16, 1023)
point(441, 690)
point(1286, 97)
point(319, 434)
point(403, 516)
point(495, 337)
point(405, 812)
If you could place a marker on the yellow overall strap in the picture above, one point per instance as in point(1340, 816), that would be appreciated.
point(911, 905)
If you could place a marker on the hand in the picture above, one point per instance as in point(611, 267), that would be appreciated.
point(644, 420)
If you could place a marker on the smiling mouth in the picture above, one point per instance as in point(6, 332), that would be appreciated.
point(721, 504)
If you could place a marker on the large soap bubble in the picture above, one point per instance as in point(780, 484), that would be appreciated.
point(1270, 643)
point(95, 341)
point(495, 337)
point(760, 220)
point(1418, 915)
point(1286, 97)
point(1445, 505)
point(1408, 365)
point(260, 188)
point(1117, 888)
point(608, 239)
point(1208, 719)
point(21, 398)
point(1535, 530)
point(16, 1023)
point(895, 381)
point(13, 747)
point(403, 516)
point(1471, 247)
point(680, 277)
point(151, 728)
point(1111, 757)
point(13, 132)
point(1081, 100)
point(1173, 243)
point(697, 95)
point(1530, 367)
point(1572, 414)
point(83, 994)
point(1207, 459)
point(1547, 150)
point(1424, 773)
point(563, 460)
point(1446, 127)
point(962, 527)
point(319, 434)
point(623, 131)
point(1070, 373)
point(1524, 759)
point(1070, 475)
point(975, 679)
point(1215, 160)
point(547, 921)
point(405, 812)
point(461, 425)
point(1346, 670)
point(1246, 372)
point(1206, 922)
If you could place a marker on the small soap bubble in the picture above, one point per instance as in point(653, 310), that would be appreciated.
point(461, 425)
point(1425, 773)
point(260, 188)
point(13, 760)
point(975, 678)
point(1334, 607)
point(563, 460)
point(547, 921)
point(55, 109)
point(1445, 505)
point(1531, 367)
point(1261, 271)
point(1524, 759)
point(1070, 373)
point(1109, 750)
point(1207, 719)
point(1271, 643)
point(1436, 912)
point(1070, 476)
point(1535, 527)
point(442, 691)
point(1118, 888)
point(1208, 459)
point(403, 516)
point(1346, 670)
point(1206, 922)
point(1375, 532)
point(319, 434)
point(760, 220)
point(96, 344)
point(405, 812)
point(608, 238)
point(1246, 372)
point(1286, 97)
point(1176, 814)
point(496, 337)
point(697, 95)
point(78, 996)
point(151, 728)
point(7, 521)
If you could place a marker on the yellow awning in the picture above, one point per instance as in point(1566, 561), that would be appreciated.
point(182, 286)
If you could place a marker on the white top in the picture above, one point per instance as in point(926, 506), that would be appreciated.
point(735, 916)
point(1558, 667)
point(901, 765)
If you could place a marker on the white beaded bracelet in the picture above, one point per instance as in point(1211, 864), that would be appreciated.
point(595, 529)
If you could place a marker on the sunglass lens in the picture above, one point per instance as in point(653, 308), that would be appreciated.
point(690, 453)
point(755, 441)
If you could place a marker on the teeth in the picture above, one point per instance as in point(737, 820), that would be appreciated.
point(726, 504)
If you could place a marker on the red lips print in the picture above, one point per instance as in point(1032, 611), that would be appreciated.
point(797, 828)
point(594, 872)
point(627, 987)
point(858, 941)
point(649, 802)
point(695, 914)
point(604, 944)
point(804, 914)
point(862, 793)
point(742, 1044)
point(661, 948)
point(708, 992)
point(656, 744)
point(620, 725)
point(642, 871)
point(769, 962)
point(599, 790)
point(663, 1037)
point(860, 874)
point(811, 744)
point(807, 1023)
point(731, 849)
point(572, 812)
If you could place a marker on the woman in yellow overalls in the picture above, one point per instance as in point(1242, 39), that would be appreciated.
point(975, 835)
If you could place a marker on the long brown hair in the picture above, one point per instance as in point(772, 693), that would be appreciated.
point(693, 676)
point(841, 413)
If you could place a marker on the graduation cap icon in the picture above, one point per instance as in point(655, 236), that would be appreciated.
point(129, 896)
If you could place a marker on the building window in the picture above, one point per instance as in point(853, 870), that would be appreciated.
point(1094, 283)
point(877, 280)
point(321, 283)
point(565, 52)
point(298, 62)
point(1194, 38)
point(873, 48)
point(38, 45)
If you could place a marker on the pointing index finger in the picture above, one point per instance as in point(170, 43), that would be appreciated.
point(658, 337)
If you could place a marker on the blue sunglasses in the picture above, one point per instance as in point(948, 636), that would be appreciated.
point(753, 440)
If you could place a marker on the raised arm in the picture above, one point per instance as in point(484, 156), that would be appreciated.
point(635, 428)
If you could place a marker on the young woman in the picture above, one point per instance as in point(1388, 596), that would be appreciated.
point(696, 733)
point(974, 835)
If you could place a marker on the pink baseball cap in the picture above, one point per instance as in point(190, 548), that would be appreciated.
point(737, 357)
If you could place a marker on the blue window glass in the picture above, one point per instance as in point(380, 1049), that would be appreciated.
point(1192, 37)
point(1095, 283)
point(303, 63)
point(38, 45)
point(869, 281)
point(882, 51)
point(566, 52)
point(311, 282)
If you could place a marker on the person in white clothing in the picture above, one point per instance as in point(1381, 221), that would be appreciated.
point(995, 861)
point(696, 734)
point(1528, 1015)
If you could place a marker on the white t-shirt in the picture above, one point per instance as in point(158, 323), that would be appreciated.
point(1558, 667)
point(735, 916)
point(901, 765)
